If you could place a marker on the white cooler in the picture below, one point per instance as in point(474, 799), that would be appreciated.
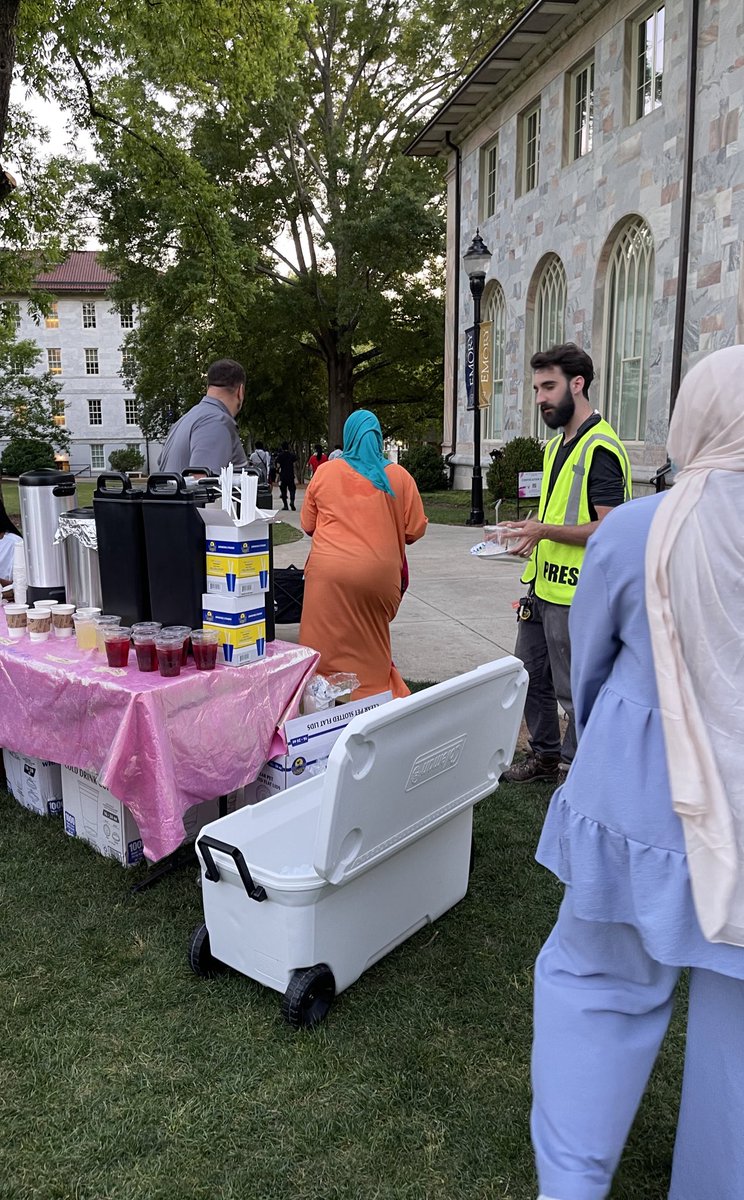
point(308, 888)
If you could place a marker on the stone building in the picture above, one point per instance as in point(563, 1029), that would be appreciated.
point(582, 146)
point(82, 344)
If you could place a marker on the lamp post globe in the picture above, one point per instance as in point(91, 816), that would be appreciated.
point(475, 261)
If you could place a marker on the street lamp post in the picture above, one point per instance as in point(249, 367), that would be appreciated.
point(476, 260)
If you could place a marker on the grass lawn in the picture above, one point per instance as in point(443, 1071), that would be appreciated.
point(453, 508)
point(124, 1077)
point(283, 534)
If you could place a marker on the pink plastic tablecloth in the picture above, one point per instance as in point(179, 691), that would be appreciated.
point(160, 745)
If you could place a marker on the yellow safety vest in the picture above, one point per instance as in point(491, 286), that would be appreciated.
point(553, 568)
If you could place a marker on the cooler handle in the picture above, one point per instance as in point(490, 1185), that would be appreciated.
point(206, 844)
point(117, 477)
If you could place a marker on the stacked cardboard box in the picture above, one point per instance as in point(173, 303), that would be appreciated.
point(237, 581)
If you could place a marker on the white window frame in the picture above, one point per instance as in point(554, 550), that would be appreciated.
point(97, 450)
point(51, 320)
point(628, 317)
point(493, 416)
point(130, 408)
point(12, 311)
point(490, 178)
point(89, 314)
point(581, 110)
point(647, 78)
point(127, 356)
point(58, 411)
point(126, 316)
point(92, 365)
point(54, 360)
point(549, 329)
point(529, 132)
point(98, 414)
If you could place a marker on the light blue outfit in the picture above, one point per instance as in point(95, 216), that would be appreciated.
point(363, 448)
point(605, 979)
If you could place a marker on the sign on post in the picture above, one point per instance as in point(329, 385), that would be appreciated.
point(484, 357)
point(529, 484)
point(470, 366)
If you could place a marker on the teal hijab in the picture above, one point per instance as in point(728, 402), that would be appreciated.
point(363, 448)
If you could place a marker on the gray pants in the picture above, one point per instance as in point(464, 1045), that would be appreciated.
point(544, 648)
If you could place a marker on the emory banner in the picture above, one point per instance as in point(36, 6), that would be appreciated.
point(470, 366)
point(484, 364)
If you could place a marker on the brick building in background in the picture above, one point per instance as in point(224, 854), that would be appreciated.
point(82, 341)
point(567, 147)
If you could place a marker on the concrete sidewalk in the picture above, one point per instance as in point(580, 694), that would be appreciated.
point(457, 612)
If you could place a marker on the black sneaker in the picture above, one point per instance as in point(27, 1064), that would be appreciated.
point(532, 769)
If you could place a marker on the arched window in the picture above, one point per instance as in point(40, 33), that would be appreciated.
point(493, 416)
point(550, 317)
point(629, 299)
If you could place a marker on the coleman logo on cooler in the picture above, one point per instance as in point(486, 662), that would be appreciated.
point(435, 762)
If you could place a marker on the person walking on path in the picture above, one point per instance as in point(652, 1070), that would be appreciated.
point(362, 511)
point(285, 461)
point(260, 460)
point(207, 436)
point(317, 459)
point(586, 473)
point(647, 833)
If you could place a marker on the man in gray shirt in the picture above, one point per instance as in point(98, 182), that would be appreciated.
point(207, 436)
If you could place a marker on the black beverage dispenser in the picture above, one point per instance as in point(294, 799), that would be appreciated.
point(175, 543)
point(120, 530)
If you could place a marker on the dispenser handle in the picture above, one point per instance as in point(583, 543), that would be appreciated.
point(115, 477)
point(165, 482)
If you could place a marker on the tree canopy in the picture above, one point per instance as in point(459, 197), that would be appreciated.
point(251, 190)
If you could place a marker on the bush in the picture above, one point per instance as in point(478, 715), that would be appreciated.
point(26, 454)
point(520, 454)
point(126, 460)
point(427, 467)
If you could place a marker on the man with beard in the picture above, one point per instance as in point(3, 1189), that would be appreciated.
point(586, 473)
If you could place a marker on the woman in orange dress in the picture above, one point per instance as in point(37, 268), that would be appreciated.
point(362, 511)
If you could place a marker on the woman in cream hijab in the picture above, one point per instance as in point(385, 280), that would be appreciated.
point(647, 833)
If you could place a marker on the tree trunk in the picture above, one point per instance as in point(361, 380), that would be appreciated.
point(8, 20)
point(340, 366)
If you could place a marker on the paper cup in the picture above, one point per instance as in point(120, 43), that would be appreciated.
point(62, 620)
point(16, 616)
point(39, 624)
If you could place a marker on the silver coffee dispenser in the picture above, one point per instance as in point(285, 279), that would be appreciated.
point(44, 494)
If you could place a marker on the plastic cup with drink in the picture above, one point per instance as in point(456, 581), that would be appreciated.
point(205, 644)
point(169, 649)
point(143, 636)
point(101, 621)
point(117, 644)
point(85, 629)
point(183, 631)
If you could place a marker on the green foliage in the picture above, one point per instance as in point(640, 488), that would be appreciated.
point(127, 459)
point(520, 454)
point(26, 454)
point(29, 402)
point(427, 467)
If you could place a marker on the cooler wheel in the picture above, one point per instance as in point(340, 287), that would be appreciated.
point(309, 996)
point(201, 960)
